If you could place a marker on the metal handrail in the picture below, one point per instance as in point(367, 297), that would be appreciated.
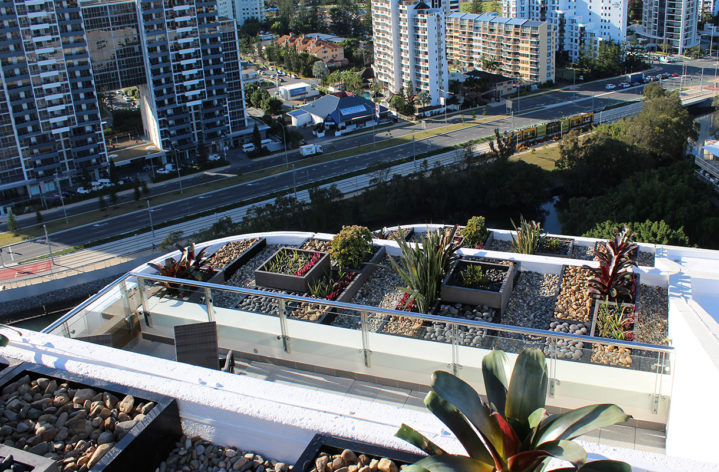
point(360, 308)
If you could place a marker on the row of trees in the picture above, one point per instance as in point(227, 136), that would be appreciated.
point(260, 98)
point(636, 170)
point(298, 62)
point(309, 17)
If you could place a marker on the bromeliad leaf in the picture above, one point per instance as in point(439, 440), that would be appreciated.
point(418, 439)
point(599, 466)
point(527, 389)
point(449, 463)
point(580, 421)
point(458, 424)
point(494, 371)
point(526, 461)
point(3, 340)
point(565, 450)
point(536, 417)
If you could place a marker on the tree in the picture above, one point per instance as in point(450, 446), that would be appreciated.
point(654, 90)
point(12, 225)
point(38, 216)
point(114, 177)
point(273, 106)
point(653, 232)
point(351, 81)
point(502, 147)
point(319, 70)
point(423, 98)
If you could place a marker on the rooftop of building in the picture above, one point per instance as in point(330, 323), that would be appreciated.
point(492, 17)
point(300, 377)
point(341, 106)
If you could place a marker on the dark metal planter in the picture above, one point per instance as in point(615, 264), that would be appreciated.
point(566, 254)
point(334, 445)
point(32, 461)
point(293, 283)
point(473, 296)
point(146, 445)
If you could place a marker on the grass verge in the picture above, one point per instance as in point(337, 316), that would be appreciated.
point(544, 156)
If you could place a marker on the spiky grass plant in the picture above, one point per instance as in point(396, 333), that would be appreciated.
point(528, 235)
point(423, 268)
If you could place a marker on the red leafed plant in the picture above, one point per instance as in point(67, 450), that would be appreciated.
point(613, 278)
point(340, 285)
point(190, 266)
point(308, 265)
point(403, 305)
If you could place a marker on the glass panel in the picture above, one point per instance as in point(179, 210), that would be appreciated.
point(100, 317)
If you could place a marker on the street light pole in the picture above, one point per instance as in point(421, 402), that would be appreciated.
point(152, 227)
point(49, 247)
point(62, 199)
point(177, 163)
point(284, 140)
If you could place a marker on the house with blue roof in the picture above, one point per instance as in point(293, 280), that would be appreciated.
point(340, 112)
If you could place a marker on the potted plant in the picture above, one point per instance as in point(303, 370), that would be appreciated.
point(423, 268)
point(191, 266)
point(614, 278)
point(292, 269)
point(512, 431)
point(526, 237)
point(554, 246)
point(475, 234)
point(478, 283)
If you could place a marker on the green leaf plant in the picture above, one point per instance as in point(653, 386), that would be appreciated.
point(512, 432)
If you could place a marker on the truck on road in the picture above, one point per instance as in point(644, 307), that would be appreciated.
point(310, 150)
point(635, 78)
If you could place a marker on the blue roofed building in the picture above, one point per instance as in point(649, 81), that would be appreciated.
point(344, 111)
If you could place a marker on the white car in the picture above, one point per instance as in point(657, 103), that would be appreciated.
point(625, 85)
point(214, 157)
point(82, 191)
point(610, 86)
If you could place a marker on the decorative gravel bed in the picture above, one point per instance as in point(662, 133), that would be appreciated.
point(533, 300)
point(574, 302)
point(229, 252)
point(584, 253)
point(652, 322)
point(645, 259)
point(467, 336)
point(71, 424)
point(322, 245)
point(198, 454)
point(499, 245)
point(565, 349)
point(349, 461)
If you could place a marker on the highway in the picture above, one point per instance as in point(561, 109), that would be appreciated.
point(526, 110)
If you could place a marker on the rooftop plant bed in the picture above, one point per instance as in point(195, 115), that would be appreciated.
point(574, 302)
point(564, 348)
point(191, 265)
point(320, 245)
point(83, 423)
point(232, 256)
point(613, 321)
point(554, 246)
point(292, 269)
point(404, 233)
point(466, 336)
point(478, 283)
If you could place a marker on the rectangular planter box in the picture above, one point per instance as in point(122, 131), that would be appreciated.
point(33, 461)
point(474, 296)
point(567, 253)
point(144, 446)
point(490, 238)
point(225, 274)
point(604, 353)
point(293, 283)
point(333, 445)
point(408, 232)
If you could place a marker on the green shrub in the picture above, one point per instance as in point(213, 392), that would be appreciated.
point(473, 276)
point(654, 232)
point(351, 246)
point(527, 236)
point(476, 232)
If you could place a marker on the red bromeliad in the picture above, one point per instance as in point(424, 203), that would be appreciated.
point(341, 285)
point(613, 277)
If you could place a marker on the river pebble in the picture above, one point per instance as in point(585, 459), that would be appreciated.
point(467, 336)
point(197, 454)
point(321, 245)
point(229, 252)
point(532, 301)
point(574, 302)
point(652, 321)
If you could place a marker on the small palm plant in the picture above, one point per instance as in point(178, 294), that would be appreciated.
point(512, 433)
point(423, 268)
point(528, 235)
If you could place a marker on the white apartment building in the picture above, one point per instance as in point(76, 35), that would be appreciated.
point(518, 48)
point(671, 22)
point(241, 10)
point(409, 46)
point(579, 25)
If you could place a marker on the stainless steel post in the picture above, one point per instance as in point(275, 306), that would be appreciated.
point(143, 301)
point(283, 325)
point(208, 303)
point(366, 353)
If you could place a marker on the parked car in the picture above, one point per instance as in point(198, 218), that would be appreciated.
point(214, 157)
point(625, 85)
point(82, 191)
point(675, 75)
point(610, 86)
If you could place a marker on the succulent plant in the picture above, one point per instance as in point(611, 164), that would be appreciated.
point(190, 265)
point(528, 234)
point(512, 432)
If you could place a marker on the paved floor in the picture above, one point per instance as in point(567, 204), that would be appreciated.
point(618, 435)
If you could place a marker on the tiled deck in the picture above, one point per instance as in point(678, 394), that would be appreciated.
point(627, 436)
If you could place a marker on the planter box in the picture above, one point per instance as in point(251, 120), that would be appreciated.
point(474, 296)
point(490, 238)
point(333, 445)
point(566, 253)
point(229, 270)
point(605, 353)
point(145, 445)
point(32, 461)
point(408, 232)
point(293, 283)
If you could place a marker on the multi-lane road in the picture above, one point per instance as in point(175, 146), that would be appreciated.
point(527, 110)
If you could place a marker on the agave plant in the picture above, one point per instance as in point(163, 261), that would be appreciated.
point(190, 265)
point(612, 278)
point(528, 235)
point(512, 432)
point(423, 268)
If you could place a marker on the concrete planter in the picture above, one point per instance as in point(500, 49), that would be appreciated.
point(225, 274)
point(145, 445)
point(332, 445)
point(452, 292)
point(293, 283)
point(23, 458)
point(612, 355)
point(566, 252)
